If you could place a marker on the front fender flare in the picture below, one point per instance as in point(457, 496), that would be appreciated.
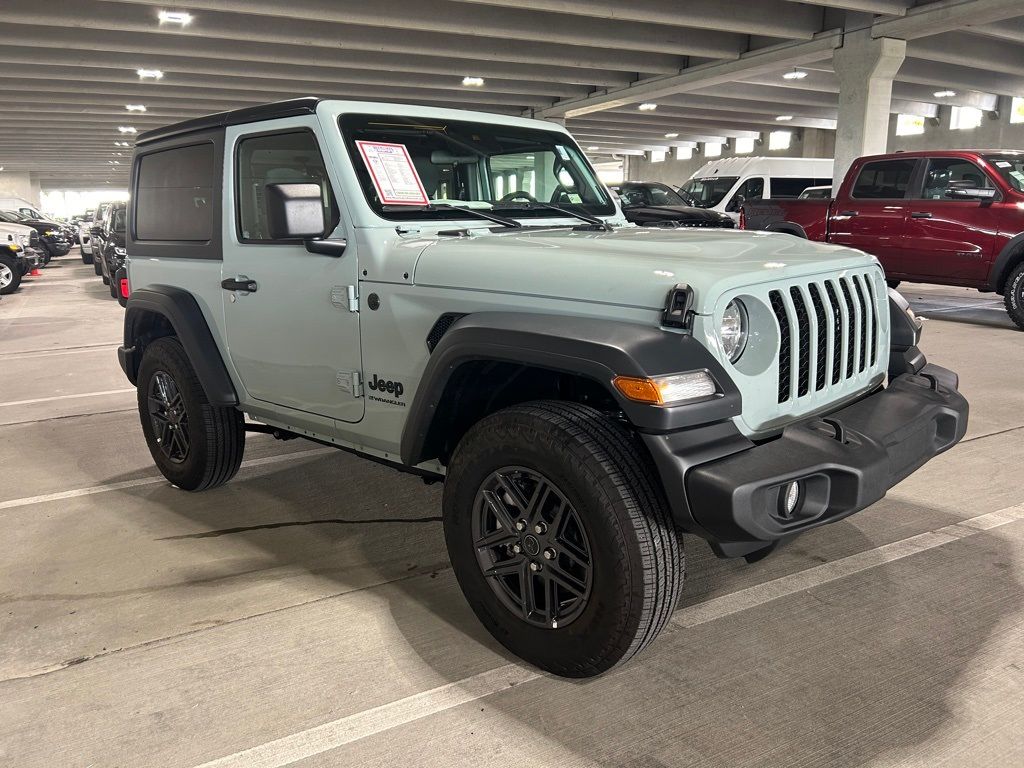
point(597, 349)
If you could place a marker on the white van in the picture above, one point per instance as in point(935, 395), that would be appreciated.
point(721, 185)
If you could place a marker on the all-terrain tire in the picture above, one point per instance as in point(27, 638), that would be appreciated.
point(1013, 295)
point(215, 435)
point(604, 472)
point(10, 273)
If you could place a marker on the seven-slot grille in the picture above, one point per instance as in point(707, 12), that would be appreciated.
point(828, 333)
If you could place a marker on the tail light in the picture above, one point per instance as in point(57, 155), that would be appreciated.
point(125, 290)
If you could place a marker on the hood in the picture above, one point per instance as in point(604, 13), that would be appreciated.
point(630, 266)
point(7, 228)
point(694, 217)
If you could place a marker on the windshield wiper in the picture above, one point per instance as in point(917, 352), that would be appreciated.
point(592, 220)
point(433, 207)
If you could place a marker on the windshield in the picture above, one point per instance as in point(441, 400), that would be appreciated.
point(648, 194)
point(117, 224)
point(1010, 167)
point(707, 193)
point(11, 216)
point(404, 163)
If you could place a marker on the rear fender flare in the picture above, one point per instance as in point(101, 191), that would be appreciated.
point(181, 310)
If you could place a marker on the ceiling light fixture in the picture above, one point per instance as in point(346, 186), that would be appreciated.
point(175, 17)
point(671, 135)
point(472, 82)
point(647, 106)
point(592, 149)
point(121, 144)
point(784, 118)
point(149, 74)
point(796, 74)
point(127, 129)
point(135, 107)
point(944, 94)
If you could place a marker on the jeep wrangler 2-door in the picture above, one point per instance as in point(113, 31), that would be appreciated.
point(456, 294)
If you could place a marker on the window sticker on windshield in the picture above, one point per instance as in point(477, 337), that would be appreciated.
point(1004, 164)
point(562, 152)
point(1017, 175)
point(394, 176)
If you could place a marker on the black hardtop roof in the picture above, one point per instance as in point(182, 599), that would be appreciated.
point(290, 108)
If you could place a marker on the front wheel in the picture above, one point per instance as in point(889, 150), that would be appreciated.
point(195, 445)
point(560, 537)
point(1013, 296)
point(10, 275)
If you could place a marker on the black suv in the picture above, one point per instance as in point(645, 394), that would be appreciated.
point(110, 253)
point(52, 239)
point(651, 204)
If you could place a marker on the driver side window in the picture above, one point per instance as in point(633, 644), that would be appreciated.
point(751, 189)
point(946, 174)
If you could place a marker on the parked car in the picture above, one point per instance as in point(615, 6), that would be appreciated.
point(950, 217)
point(51, 236)
point(651, 204)
point(816, 193)
point(13, 266)
point(723, 185)
point(112, 253)
point(96, 235)
point(584, 388)
point(25, 237)
point(82, 225)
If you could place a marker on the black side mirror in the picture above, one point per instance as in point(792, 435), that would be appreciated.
point(736, 203)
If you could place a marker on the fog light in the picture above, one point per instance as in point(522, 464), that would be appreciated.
point(789, 499)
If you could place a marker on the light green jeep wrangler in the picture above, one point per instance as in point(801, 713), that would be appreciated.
point(457, 295)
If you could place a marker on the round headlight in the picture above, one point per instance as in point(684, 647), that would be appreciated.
point(733, 333)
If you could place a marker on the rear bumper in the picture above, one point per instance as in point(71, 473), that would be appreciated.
point(845, 461)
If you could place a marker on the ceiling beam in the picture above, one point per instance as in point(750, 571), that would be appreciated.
point(702, 76)
point(773, 18)
point(451, 27)
point(945, 16)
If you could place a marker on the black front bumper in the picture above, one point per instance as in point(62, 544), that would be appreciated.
point(729, 490)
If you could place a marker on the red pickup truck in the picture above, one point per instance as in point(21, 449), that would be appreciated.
point(954, 217)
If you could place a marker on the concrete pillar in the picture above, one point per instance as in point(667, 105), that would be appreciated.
point(865, 67)
point(19, 185)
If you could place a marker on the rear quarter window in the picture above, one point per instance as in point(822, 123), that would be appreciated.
point(884, 179)
point(174, 196)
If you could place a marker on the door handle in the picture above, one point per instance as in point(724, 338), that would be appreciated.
point(921, 215)
point(848, 213)
point(243, 284)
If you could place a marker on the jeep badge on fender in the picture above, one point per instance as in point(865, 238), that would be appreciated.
point(529, 355)
point(391, 387)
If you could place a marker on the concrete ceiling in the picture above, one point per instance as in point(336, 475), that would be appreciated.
point(714, 67)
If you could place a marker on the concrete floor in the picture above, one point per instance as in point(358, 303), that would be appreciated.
point(305, 614)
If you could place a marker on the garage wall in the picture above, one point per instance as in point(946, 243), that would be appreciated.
point(991, 134)
point(19, 185)
point(806, 142)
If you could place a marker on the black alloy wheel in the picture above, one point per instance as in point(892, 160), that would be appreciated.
point(169, 418)
point(532, 547)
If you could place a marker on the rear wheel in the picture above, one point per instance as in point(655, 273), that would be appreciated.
point(195, 445)
point(893, 283)
point(10, 275)
point(1013, 296)
point(560, 537)
point(97, 267)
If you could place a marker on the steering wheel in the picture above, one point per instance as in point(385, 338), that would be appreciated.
point(518, 195)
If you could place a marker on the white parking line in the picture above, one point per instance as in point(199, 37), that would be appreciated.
point(59, 351)
point(151, 480)
point(345, 730)
point(66, 397)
